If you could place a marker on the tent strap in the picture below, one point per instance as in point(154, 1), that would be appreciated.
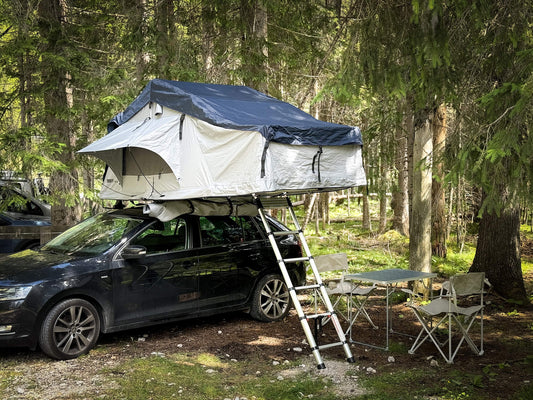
point(317, 159)
point(263, 158)
point(182, 118)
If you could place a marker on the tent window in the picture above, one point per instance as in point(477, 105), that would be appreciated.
point(152, 163)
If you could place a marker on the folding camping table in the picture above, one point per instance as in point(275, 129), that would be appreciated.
point(390, 279)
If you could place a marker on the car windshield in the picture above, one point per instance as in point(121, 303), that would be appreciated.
point(93, 236)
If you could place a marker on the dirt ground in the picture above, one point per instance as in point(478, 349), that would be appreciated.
point(508, 341)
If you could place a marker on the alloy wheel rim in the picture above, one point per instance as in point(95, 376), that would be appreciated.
point(74, 330)
point(274, 298)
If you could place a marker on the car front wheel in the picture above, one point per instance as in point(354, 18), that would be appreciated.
point(70, 329)
point(271, 301)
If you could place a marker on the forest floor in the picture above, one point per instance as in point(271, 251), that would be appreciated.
point(502, 372)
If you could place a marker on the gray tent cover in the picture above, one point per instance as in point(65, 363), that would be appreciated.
point(183, 140)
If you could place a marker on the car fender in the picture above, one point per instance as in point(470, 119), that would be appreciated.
point(71, 289)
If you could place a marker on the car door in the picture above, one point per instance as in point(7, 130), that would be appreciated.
point(222, 257)
point(161, 284)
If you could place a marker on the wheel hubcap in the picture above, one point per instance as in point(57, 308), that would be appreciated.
point(274, 298)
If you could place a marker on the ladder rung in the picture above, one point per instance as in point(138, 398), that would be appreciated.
point(307, 287)
point(312, 316)
point(297, 259)
point(285, 233)
point(328, 345)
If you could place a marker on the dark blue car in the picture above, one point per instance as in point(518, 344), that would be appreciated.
point(123, 269)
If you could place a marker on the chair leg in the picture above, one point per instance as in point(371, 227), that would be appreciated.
point(360, 306)
point(429, 335)
point(466, 337)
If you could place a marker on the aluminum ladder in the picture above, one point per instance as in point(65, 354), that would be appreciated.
point(284, 202)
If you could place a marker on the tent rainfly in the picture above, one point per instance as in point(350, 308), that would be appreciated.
point(184, 140)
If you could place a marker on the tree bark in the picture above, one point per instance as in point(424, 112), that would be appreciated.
point(309, 209)
point(400, 196)
point(383, 198)
point(367, 223)
point(420, 218)
point(498, 253)
point(438, 212)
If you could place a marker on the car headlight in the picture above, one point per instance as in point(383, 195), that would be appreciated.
point(14, 293)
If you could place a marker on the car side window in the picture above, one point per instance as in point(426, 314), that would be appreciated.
point(219, 230)
point(163, 237)
point(249, 227)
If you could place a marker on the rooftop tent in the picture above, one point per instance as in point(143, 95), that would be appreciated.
point(183, 140)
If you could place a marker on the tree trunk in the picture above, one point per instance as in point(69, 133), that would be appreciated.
point(420, 218)
point(139, 23)
point(383, 198)
point(324, 209)
point(367, 223)
point(438, 212)
point(167, 39)
point(309, 208)
point(400, 196)
point(254, 45)
point(58, 101)
point(498, 253)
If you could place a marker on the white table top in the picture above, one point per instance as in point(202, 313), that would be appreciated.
point(388, 276)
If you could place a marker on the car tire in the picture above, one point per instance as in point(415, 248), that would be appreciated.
point(70, 329)
point(271, 299)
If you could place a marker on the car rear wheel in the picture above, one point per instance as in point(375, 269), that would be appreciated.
point(70, 329)
point(271, 301)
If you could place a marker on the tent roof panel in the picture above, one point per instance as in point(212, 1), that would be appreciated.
point(240, 107)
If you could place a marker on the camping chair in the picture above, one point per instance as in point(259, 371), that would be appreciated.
point(448, 310)
point(355, 295)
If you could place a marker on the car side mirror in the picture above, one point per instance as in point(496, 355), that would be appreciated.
point(133, 252)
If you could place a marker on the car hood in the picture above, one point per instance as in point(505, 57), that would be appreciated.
point(31, 266)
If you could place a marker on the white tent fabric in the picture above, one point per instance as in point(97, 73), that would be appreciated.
point(161, 153)
point(148, 160)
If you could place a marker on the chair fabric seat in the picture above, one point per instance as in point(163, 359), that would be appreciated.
point(348, 288)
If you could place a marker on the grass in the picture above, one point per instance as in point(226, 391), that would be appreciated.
point(205, 376)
